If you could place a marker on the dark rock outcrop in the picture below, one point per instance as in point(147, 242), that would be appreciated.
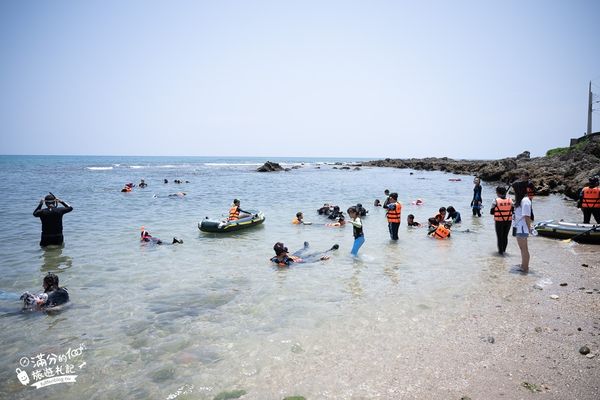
point(564, 173)
point(270, 167)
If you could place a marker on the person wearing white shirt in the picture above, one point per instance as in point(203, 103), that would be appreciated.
point(522, 222)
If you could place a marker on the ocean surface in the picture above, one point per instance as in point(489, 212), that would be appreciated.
point(213, 314)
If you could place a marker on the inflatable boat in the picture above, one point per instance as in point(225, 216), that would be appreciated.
point(208, 225)
point(582, 233)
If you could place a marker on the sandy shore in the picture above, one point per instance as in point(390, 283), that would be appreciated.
point(509, 340)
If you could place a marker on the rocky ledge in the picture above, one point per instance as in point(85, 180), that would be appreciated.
point(563, 170)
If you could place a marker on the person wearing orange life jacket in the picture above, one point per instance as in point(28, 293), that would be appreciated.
point(589, 201)
point(235, 210)
point(502, 210)
point(442, 231)
point(393, 214)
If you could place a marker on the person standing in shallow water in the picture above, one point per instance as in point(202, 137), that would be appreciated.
point(522, 222)
point(51, 217)
point(502, 210)
point(393, 214)
point(357, 230)
point(477, 199)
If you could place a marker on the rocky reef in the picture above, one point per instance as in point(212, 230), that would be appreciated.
point(564, 170)
point(270, 167)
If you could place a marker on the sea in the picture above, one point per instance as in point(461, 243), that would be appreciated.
point(213, 314)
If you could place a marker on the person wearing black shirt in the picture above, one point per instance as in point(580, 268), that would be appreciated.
point(51, 217)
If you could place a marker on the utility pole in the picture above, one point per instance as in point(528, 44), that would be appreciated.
point(589, 124)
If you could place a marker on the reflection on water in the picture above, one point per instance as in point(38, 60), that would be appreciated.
point(53, 259)
point(214, 312)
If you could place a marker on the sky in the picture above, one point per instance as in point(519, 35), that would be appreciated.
point(373, 79)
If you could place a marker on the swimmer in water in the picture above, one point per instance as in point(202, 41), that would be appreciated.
point(410, 220)
point(299, 218)
point(53, 295)
point(453, 215)
point(146, 237)
point(283, 259)
point(142, 184)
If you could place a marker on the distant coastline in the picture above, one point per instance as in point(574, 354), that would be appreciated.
point(564, 170)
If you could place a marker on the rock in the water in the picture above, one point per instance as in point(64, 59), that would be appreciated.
point(491, 339)
point(297, 348)
point(538, 286)
point(590, 355)
point(584, 350)
point(270, 167)
point(233, 394)
point(554, 297)
point(563, 284)
point(538, 329)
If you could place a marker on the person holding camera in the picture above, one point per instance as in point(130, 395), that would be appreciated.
point(51, 217)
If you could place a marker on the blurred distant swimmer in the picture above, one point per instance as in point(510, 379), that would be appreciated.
point(178, 194)
point(128, 187)
point(51, 217)
point(146, 237)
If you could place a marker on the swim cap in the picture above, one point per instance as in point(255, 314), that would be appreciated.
point(49, 197)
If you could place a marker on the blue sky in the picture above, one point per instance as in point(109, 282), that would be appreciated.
point(463, 79)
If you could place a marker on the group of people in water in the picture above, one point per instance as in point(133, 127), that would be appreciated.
point(128, 187)
point(517, 214)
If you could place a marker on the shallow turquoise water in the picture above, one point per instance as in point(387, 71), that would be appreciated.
point(213, 312)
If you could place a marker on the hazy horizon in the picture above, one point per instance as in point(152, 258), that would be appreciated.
point(464, 80)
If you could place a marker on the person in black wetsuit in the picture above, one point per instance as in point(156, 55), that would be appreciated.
point(53, 294)
point(146, 237)
point(282, 258)
point(51, 217)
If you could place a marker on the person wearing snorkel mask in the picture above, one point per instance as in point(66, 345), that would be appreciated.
point(51, 217)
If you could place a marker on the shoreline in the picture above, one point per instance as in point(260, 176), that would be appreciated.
point(565, 172)
point(508, 340)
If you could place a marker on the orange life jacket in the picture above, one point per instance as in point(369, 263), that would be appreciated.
point(234, 213)
point(591, 197)
point(295, 221)
point(441, 232)
point(503, 210)
point(394, 215)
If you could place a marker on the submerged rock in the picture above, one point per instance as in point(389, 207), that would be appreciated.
point(232, 394)
point(584, 350)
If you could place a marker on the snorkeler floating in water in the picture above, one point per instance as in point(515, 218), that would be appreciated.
point(146, 237)
point(283, 259)
point(53, 295)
